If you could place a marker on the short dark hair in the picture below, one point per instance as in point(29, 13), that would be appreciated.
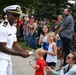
point(69, 10)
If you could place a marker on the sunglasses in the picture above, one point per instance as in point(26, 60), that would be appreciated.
point(68, 57)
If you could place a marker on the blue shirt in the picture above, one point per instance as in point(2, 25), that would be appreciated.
point(68, 25)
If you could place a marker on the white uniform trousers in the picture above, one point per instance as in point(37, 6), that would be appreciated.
point(5, 67)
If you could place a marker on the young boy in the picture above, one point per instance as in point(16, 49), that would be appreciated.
point(40, 63)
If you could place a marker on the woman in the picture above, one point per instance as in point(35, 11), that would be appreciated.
point(43, 38)
point(69, 69)
point(43, 35)
point(33, 33)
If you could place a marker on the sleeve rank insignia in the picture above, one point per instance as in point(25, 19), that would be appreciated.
point(5, 24)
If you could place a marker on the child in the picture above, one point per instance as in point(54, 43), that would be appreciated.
point(40, 63)
point(43, 39)
point(51, 58)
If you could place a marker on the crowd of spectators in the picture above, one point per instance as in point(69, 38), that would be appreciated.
point(31, 31)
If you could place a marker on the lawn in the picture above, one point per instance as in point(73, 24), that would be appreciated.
point(22, 45)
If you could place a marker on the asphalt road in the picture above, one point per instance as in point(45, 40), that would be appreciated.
point(21, 66)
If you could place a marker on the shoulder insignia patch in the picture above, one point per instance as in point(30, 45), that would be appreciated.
point(5, 24)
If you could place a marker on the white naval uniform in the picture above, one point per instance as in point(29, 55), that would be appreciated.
point(8, 35)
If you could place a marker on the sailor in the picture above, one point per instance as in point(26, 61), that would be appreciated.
point(8, 40)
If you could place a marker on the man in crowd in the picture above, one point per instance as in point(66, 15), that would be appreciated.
point(66, 32)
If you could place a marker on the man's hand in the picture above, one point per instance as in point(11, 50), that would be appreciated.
point(24, 54)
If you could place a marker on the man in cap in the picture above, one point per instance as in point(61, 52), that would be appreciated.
point(8, 40)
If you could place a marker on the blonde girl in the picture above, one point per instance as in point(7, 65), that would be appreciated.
point(51, 58)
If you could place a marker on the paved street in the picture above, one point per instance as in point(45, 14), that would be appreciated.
point(21, 66)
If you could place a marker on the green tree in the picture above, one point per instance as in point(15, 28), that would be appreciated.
point(49, 8)
point(25, 4)
point(42, 8)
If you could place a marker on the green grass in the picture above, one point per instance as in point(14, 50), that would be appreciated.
point(22, 45)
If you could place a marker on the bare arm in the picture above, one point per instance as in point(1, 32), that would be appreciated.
point(26, 26)
point(16, 52)
point(6, 50)
point(35, 27)
point(40, 40)
point(60, 29)
point(51, 71)
point(33, 66)
point(17, 47)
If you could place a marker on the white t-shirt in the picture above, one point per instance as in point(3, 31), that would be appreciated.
point(8, 35)
point(44, 39)
point(49, 57)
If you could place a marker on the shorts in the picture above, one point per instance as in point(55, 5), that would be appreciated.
point(51, 64)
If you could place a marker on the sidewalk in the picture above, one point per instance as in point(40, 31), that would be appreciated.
point(21, 66)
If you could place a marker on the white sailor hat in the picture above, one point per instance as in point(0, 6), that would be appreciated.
point(13, 9)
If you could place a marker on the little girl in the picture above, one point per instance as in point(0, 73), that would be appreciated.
point(43, 39)
point(40, 63)
point(51, 58)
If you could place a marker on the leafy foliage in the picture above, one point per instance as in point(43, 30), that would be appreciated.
point(42, 8)
point(25, 4)
point(49, 8)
